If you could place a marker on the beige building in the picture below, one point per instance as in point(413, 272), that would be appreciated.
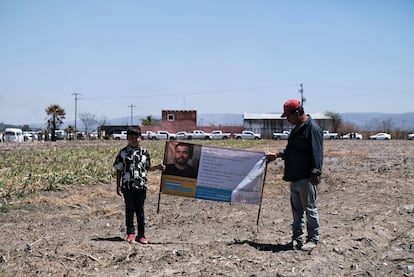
point(266, 124)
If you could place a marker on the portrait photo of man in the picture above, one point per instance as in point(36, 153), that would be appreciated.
point(182, 161)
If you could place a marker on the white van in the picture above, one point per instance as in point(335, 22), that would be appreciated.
point(13, 134)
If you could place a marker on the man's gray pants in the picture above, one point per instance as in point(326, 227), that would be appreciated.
point(303, 202)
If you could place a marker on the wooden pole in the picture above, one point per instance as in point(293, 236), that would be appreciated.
point(164, 162)
point(261, 196)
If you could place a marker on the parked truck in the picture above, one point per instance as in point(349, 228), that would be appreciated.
point(119, 136)
point(328, 135)
point(217, 134)
point(181, 135)
point(162, 135)
point(198, 134)
point(147, 135)
point(247, 135)
point(283, 135)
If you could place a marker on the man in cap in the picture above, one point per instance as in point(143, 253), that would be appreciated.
point(303, 157)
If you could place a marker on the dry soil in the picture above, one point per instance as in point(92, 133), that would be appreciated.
point(365, 201)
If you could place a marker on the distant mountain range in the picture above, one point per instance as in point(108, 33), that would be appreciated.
point(371, 121)
point(364, 121)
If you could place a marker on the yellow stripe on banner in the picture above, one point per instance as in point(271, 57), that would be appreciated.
point(176, 185)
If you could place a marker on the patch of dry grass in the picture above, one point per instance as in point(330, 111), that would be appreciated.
point(29, 168)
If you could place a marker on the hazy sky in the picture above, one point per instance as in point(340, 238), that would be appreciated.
point(215, 56)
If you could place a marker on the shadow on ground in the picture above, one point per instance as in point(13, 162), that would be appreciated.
point(109, 239)
point(264, 246)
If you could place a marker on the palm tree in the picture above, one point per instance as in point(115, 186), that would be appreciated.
point(147, 121)
point(56, 115)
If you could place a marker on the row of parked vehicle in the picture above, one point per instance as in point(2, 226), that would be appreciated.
point(196, 134)
point(326, 135)
point(17, 135)
point(217, 134)
point(354, 135)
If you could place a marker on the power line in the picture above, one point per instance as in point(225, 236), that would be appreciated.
point(206, 92)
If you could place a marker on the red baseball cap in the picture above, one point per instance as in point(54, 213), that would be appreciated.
point(290, 106)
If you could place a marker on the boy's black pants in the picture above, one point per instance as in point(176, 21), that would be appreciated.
point(134, 204)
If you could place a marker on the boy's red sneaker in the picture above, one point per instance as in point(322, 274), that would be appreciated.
point(131, 238)
point(143, 240)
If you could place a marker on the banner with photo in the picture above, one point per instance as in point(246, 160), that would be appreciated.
point(213, 173)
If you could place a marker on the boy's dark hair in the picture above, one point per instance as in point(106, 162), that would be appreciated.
point(134, 131)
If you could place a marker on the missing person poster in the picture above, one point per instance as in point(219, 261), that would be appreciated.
point(213, 173)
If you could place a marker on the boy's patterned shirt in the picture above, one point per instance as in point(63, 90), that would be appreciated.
point(134, 164)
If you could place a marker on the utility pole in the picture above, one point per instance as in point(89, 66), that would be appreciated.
point(302, 100)
point(132, 107)
point(76, 105)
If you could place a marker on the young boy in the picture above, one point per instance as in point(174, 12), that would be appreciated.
point(132, 164)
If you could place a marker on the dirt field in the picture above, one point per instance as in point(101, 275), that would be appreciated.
point(366, 206)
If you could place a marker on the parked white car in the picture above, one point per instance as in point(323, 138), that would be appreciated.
point(35, 136)
point(352, 136)
point(27, 136)
point(410, 136)
point(181, 135)
point(147, 135)
point(380, 136)
point(59, 134)
point(93, 135)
